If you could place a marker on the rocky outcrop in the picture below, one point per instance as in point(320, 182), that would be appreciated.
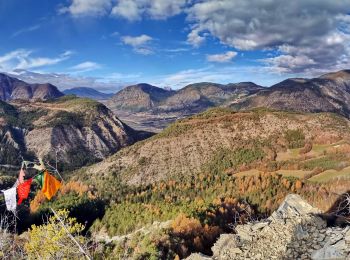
point(75, 131)
point(294, 231)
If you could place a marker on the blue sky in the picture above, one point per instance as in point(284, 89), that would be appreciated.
point(173, 42)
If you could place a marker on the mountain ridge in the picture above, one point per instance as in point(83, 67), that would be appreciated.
point(138, 98)
point(86, 92)
point(193, 98)
point(327, 93)
point(81, 131)
point(194, 141)
point(13, 88)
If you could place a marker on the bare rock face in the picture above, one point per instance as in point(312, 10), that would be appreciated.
point(75, 131)
point(293, 206)
point(104, 137)
point(294, 231)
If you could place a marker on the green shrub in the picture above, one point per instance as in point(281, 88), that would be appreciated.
point(295, 138)
point(67, 118)
point(226, 159)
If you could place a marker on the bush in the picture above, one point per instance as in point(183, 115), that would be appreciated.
point(226, 159)
point(67, 118)
point(52, 241)
point(295, 138)
point(307, 148)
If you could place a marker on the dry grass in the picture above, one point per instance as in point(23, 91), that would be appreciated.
point(331, 175)
point(294, 173)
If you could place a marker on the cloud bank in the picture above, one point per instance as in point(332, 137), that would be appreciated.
point(306, 36)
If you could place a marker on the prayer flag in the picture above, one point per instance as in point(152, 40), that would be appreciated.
point(10, 198)
point(40, 179)
point(50, 185)
point(21, 176)
point(23, 190)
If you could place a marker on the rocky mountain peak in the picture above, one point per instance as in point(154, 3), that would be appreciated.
point(342, 74)
point(293, 231)
point(13, 88)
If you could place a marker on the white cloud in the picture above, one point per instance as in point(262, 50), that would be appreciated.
point(287, 63)
point(26, 30)
point(140, 44)
point(131, 10)
point(109, 83)
point(161, 9)
point(127, 9)
point(134, 10)
point(316, 32)
point(311, 31)
point(144, 50)
point(223, 75)
point(195, 38)
point(87, 7)
point(174, 50)
point(13, 55)
point(23, 59)
point(222, 58)
point(136, 41)
point(86, 66)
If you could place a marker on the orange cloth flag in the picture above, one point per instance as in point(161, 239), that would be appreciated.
point(50, 186)
point(23, 190)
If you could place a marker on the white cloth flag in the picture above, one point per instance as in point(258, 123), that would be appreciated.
point(10, 198)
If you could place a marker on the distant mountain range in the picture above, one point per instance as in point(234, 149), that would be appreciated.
point(13, 88)
point(87, 93)
point(327, 93)
point(65, 81)
point(191, 99)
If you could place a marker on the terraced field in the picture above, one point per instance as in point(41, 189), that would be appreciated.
point(331, 175)
point(324, 163)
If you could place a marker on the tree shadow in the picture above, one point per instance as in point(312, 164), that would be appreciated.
point(339, 213)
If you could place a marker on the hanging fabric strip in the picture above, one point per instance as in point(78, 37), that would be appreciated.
point(23, 190)
point(50, 185)
point(21, 176)
point(10, 199)
point(40, 179)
